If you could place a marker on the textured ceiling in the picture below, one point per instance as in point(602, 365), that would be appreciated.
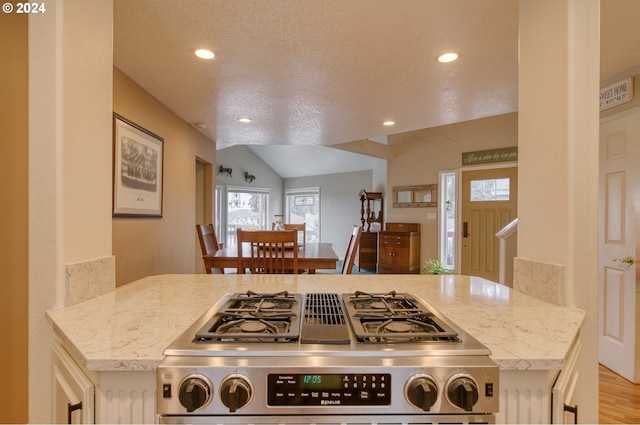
point(313, 72)
point(320, 72)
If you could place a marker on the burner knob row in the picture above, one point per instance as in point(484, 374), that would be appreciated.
point(462, 391)
point(195, 392)
point(422, 392)
point(235, 392)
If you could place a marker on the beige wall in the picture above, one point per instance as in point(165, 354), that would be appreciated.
point(419, 156)
point(151, 246)
point(13, 216)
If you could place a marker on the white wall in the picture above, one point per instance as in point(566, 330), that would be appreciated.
point(339, 203)
point(241, 159)
point(558, 159)
point(340, 206)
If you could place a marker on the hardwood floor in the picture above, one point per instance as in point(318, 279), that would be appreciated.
point(619, 399)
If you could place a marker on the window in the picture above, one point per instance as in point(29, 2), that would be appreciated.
point(303, 206)
point(218, 219)
point(447, 230)
point(247, 209)
point(490, 190)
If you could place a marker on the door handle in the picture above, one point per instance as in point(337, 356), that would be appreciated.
point(627, 260)
point(465, 229)
point(574, 410)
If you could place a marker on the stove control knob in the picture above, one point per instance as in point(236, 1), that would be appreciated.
point(462, 391)
point(195, 392)
point(421, 391)
point(235, 392)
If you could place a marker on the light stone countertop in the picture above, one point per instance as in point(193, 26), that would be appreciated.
point(128, 328)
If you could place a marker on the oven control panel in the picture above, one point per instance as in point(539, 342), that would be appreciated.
point(329, 389)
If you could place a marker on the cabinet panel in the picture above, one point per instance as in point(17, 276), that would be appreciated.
point(127, 397)
point(399, 249)
point(73, 392)
point(393, 250)
point(368, 251)
point(563, 394)
point(403, 227)
point(525, 396)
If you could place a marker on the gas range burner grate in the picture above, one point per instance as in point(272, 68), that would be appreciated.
point(409, 330)
point(253, 317)
point(389, 304)
point(252, 302)
point(233, 328)
point(395, 318)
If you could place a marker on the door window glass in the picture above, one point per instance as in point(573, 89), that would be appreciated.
point(448, 214)
point(490, 190)
point(218, 216)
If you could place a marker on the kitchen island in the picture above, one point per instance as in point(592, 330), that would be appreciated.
point(117, 339)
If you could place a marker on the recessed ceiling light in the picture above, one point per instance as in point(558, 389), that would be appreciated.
point(205, 54)
point(245, 119)
point(448, 57)
point(388, 123)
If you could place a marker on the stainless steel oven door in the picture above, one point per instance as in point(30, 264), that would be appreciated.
point(331, 419)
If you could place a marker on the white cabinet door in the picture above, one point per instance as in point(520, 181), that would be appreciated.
point(564, 409)
point(73, 392)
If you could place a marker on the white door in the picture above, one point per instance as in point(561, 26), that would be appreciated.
point(618, 230)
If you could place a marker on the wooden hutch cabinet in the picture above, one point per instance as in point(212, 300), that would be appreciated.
point(371, 218)
point(399, 249)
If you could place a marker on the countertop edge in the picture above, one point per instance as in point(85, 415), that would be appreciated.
point(148, 361)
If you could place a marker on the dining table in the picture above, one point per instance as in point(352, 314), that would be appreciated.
point(311, 257)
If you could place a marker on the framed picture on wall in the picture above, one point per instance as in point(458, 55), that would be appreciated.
point(138, 156)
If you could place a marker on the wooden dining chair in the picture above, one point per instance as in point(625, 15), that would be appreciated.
point(269, 251)
point(208, 245)
point(302, 231)
point(352, 249)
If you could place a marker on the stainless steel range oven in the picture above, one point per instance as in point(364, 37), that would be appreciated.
point(326, 358)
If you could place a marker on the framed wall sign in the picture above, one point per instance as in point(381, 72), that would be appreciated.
point(617, 93)
point(138, 157)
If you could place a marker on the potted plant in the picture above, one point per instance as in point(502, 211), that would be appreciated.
point(435, 266)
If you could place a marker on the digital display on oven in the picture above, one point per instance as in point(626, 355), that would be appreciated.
point(320, 382)
point(329, 389)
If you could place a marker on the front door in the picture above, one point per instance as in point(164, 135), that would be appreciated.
point(489, 202)
point(619, 230)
